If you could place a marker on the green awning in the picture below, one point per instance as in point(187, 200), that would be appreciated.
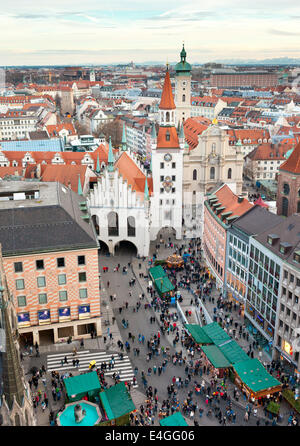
point(215, 356)
point(82, 384)
point(116, 401)
point(216, 333)
point(161, 280)
point(233, 352)
point(173, 420)
point(255, 376)
point(198, 334)
point(157, 272)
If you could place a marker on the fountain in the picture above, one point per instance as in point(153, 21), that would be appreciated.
point(79, 413)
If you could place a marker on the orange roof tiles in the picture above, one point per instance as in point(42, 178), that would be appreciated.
point(165, 141)
point(292, 164)
point(231, 203)
point(167, 100)
point(269, 151)
point(67, 175)
point(131, 172)
point(194, 127)
point(53, 130)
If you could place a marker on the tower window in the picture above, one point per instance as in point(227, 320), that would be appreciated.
point(183, 98)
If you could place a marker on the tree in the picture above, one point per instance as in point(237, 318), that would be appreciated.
point(81, 129)
point(112, 129)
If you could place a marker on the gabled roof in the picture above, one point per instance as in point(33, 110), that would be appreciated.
point(167, 100)
point(133, 174)
point(292, 164)
point(172, 142)
point(65, 174)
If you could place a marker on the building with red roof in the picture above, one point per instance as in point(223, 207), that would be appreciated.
point(288, 186)
point(221, 208)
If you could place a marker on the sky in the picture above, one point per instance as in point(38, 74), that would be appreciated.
point(58, 32)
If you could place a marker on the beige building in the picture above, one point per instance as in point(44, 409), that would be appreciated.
point(212, 162)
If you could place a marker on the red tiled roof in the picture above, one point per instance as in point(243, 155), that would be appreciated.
point(194, 127)
point(167, 100)
point(53, 130)
point(133, 174)
point(67, 175)
point(163, 142)
point(292, 164)
point(231, 203)
point(269, 151)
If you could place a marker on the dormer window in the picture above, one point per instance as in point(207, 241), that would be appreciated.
point(272, 239)
point(167, 136)
point(297, 256)
point(284, 247)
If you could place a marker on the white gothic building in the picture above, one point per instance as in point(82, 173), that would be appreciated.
point(127, 205)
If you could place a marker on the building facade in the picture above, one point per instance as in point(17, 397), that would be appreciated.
point(52, 271)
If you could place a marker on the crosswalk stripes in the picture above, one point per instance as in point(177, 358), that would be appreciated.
point(123, 366)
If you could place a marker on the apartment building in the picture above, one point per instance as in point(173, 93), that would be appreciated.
point(50, 257)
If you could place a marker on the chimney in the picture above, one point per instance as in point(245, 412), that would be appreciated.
point(240, 199)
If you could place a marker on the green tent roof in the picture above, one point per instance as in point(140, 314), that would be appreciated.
point(116, 401)
point(173, 420)
point(216, 333)
point(161, 280)
point(84, 383)
point(233, 352)
point(215, 356)
point(198, 334)
point(156, 272)
point(255, 376)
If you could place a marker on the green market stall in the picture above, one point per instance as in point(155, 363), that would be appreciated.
point(161, 281)
point(253, 378)
point(117, 405)
point(174, 420)
point(80, 386)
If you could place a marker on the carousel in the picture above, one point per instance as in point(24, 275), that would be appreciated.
point(174, 261)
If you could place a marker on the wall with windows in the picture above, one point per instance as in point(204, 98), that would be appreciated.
point(263, 287)
point(47, 282)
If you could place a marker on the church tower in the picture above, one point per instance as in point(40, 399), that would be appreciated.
point(167, 167)
point(183, 88)
point(288, 185)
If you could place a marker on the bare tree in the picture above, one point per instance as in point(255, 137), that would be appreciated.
point(112, 129)
point(81, 129)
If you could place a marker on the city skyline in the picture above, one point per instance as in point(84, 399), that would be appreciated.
point(112, 31)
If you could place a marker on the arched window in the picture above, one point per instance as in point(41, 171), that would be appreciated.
point(194, 174)
point(298, 207)
point(17, 420)
point(285, 206)
point(183, 98)
point(113, 224)
point(131, 227)
point(213, 147)
point(299, 193)
point(168, 116)
point(229, 175)
point(212, 173)
point(286, 189)
point(95, 220)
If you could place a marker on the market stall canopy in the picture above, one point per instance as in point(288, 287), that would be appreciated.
point(173, 420)
point(161, 280)
point(255, 376)
point(80, 385)
point(198, 334)
point(116, 401)
point(215, 356)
